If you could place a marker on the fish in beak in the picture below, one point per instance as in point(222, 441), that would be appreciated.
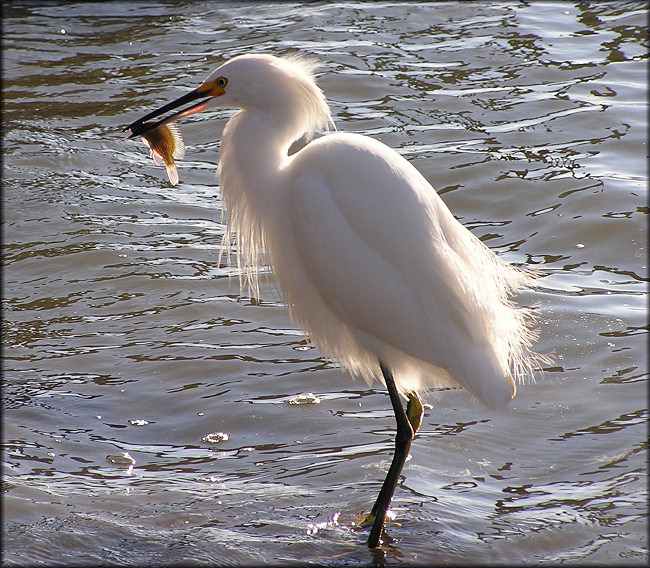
point(164, 138)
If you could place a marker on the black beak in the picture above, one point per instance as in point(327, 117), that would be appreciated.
point(144, 124)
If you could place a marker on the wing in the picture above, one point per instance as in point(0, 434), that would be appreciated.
point(383, 253)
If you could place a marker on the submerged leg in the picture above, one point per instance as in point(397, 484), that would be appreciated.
point(407, 424)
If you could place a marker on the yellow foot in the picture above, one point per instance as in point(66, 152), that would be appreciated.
point(368, 519)
point(414, 411)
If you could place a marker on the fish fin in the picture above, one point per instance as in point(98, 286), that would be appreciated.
point(172, 174)
point(179, 145)
point(157, 158)
point(153, 154)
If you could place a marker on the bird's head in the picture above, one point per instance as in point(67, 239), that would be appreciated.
point(281, 88)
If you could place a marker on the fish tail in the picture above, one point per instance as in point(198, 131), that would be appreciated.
point(172, 173)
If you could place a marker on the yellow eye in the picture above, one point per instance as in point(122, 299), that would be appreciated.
point(221, 82)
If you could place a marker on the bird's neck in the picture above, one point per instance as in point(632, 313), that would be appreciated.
point(252, 164)
point(254, 153)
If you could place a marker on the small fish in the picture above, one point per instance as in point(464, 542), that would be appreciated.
point(166, 143)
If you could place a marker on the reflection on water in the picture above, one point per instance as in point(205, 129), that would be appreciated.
point(123, 332)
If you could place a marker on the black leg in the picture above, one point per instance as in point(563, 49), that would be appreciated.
point(407, 425)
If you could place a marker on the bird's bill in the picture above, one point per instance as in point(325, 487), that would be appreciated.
point(206, 91)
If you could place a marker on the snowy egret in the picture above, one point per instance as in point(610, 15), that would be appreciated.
point(371, 262)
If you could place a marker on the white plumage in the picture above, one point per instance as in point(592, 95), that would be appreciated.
point(369, 258)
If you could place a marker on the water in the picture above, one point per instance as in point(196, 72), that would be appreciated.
point(123, 333)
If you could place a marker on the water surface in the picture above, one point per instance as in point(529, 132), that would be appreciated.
point(124, 333)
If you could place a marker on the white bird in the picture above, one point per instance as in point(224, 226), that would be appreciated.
point(370, 260)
